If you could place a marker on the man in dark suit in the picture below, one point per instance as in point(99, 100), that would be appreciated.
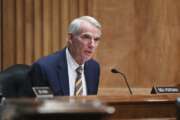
point(59, 70)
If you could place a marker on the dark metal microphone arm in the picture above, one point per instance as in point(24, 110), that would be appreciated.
point(126, 82)
point(124, 76)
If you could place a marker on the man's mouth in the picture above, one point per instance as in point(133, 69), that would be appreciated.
point(88, 52)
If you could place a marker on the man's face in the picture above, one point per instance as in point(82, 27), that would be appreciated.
point(83, 45)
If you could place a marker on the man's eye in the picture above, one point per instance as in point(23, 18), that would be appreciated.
point(86, 36)
point(96, 39)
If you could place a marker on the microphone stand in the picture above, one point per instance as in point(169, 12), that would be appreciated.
point(125, 78)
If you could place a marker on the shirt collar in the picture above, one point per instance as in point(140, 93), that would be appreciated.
point(70, 60)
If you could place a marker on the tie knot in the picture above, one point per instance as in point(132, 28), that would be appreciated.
point(79, 69)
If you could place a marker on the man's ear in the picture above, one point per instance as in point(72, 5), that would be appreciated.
point(70, 37)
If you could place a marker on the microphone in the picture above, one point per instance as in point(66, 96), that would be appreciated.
point(125, 78)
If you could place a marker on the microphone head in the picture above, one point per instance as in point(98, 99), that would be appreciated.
point(114, 71)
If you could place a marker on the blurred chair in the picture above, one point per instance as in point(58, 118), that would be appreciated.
point(14, 82)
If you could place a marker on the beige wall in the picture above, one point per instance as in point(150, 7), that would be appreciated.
point(140, 37)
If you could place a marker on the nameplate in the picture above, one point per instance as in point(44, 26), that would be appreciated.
point(43, 92)
point(165, 90)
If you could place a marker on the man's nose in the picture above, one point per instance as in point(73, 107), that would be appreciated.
point(92, 42)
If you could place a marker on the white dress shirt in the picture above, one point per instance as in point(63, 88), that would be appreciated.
point(72, 66)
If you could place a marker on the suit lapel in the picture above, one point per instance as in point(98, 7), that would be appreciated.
point(87, 77)
point(63, 74)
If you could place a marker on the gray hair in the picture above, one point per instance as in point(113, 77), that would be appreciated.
point(74, 26)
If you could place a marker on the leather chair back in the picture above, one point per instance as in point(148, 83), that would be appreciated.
point(14, 81)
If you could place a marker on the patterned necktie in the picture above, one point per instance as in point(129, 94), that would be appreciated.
point(78, 83)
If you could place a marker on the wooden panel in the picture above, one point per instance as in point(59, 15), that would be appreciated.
point(29, 34)
point(55, 25)
point(64, 21)
point(73, 9)
point(35, 28)
point(38, 31)
point(140, 38)
point(47, 27)
point(9, 36)
point(106, 91)
point(82, 6)
point(20, 32)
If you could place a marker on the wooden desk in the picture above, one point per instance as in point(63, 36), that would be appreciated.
point(143, 106)
point(140, 106)
point(132, 107)
point(54, 109)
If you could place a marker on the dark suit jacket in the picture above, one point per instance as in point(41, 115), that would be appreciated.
point(52, 71)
